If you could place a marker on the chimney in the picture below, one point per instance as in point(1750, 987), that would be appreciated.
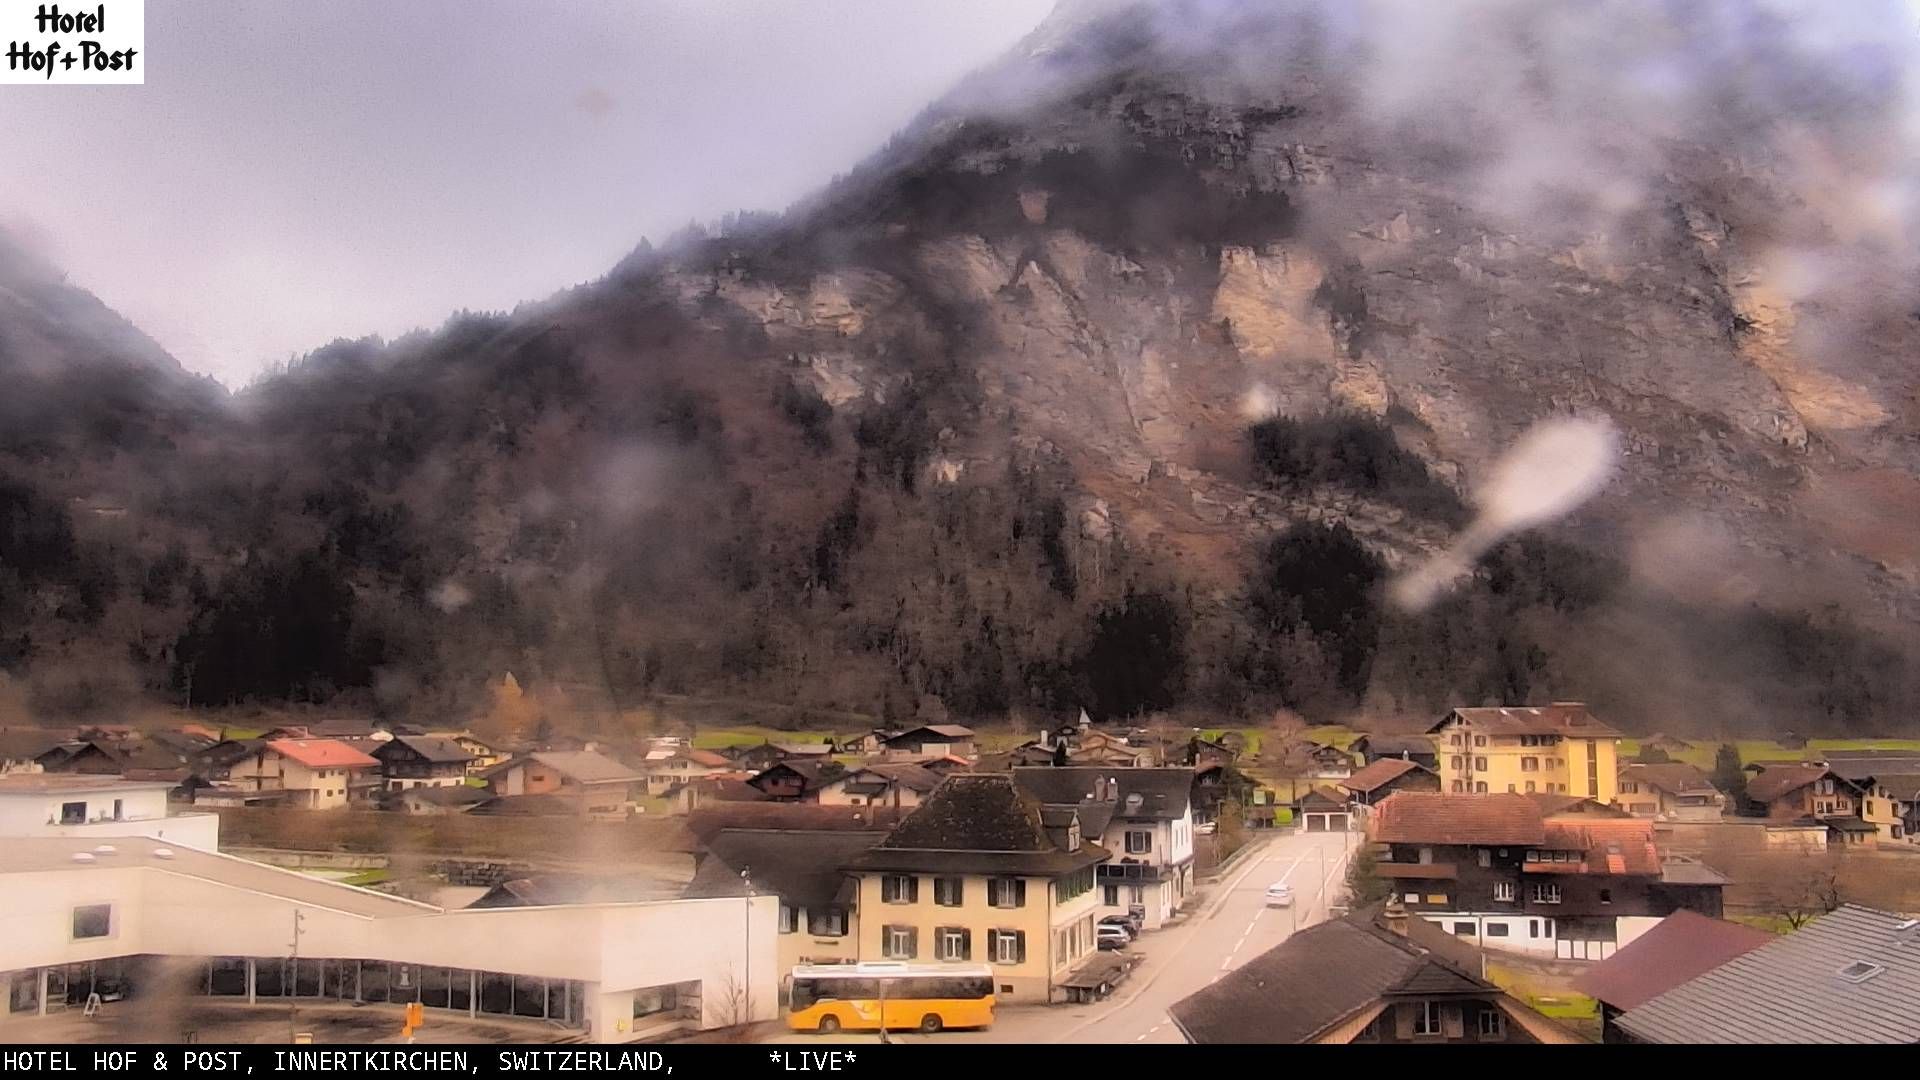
point(1394, 916)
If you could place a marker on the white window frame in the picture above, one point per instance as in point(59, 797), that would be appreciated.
point(1492, 1024)
point(1006, 946)
point(896, 942)
point(1546, 892)
point(1145, 846)
point(1504, 892)
point(1426, 1022)
point(952, 944)
point(789, 918)
point(1003, 892)
point(895, 888)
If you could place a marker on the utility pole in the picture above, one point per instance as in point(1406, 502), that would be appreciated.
point(746, 962)
point(290, 980)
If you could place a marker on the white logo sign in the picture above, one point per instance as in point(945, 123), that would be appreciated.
point(74, 43)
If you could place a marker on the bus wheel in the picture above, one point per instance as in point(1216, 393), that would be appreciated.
point(828, 1025)
point(929, 1023)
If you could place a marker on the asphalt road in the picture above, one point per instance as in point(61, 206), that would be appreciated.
point(1231, 926)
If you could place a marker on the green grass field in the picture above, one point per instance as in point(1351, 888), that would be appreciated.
point(721, 738)
point(1701, 754)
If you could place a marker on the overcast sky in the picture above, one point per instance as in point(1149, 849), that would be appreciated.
point(294, 172)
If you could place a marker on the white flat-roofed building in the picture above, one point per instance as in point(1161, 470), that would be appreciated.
point(83, 806)
point(138, 917)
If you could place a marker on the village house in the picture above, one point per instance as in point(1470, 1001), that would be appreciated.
point(90, 757)
point(1416, 748)
point(768, 754)
point(1379, 779)
point(667, 768)
point(867, 743)
point(1670, 792)
point(1143, 816)
point(21, 749)
point(1857, 812)
point(976, 874)
point(457, 799)
point(1375, 976)
point(1553, 749)
point(1849, 976)
point(589, 782)
point(819, 900)
point(482, 754)
point(797, 780)
point(896, 783)
point(930, 739)
point(1682, 946)
point(1500, 872)
point(410, 761)
point(314, 774)
point(1328, 762)
point(83, 807)
point(720, 787)
point(1325, 808)
point(1884, 780)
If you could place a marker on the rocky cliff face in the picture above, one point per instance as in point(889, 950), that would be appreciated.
point(972, 426)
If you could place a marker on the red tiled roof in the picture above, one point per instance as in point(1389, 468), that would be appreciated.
point(1778, 780)
point(322, 754)
point(1680, 947)
point(707, 758)
point(1431, 817)
point(1607, 847)
point(1570, 719)
point(1379, 773)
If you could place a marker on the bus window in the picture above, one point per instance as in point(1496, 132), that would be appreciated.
point(803, 993)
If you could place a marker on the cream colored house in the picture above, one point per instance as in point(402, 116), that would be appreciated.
point(819, 920)
point(667, 768)
point(975, 874)
point(883, 783)
point(315, 773)
point(1558, 749)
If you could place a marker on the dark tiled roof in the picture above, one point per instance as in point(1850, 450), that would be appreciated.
point(1379, 773)
point(1568, 805)
point(1902, 786)
point(1682, 946)
point(1877, 764)
point(1570, 719)
point(1163, 792)
point(585, 766)
point(913, 777)
point(1790, 989)
point(557, 889)
point(709, 820)
point(977, 823)
point(1777, 781)
point(1676, 778)
point(804, 868)
point(932, 733)
point(1321, 975)
point(436, 750)
point(1430, 817)
point(1386, 746)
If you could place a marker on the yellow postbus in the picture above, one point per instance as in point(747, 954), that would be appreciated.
point(851, 997)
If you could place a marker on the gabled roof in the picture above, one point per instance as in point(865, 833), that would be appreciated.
point(559, 889)
point(27, 744)
point(977, 823)
point(813, 774)
point(1674, 778)
point(805, 868)
point(321, 753)
point(709, 820)
point(1606, 846)
point(1430, 817)
point(1325, 974)
point(906, 774)
point(938, 731)
point(1810, 986)
point(1875, 764)
point(1778, 781)
point(1571, 719)
point(1380, 773)
point(1385, 746)
point(433, 748)
point(580, 766)
point(1902, 786)
point(1163, 793)
point(1680, 947)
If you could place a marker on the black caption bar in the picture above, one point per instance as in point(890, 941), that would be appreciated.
point(314, 1061)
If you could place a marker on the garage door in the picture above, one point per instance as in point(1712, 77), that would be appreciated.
point(1326, 822)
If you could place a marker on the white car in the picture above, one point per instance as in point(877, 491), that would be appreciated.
point(1205, 828)
point(1279, 894)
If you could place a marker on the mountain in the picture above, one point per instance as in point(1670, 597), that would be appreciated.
point(1123, 378)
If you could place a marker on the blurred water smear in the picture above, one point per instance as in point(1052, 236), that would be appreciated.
point(1553, 468)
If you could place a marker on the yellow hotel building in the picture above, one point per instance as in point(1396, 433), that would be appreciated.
point(1548, 749)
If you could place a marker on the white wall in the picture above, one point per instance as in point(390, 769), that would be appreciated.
point(615, 948)
point(24, 813)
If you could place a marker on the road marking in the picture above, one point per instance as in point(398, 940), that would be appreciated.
point(1139, 1038)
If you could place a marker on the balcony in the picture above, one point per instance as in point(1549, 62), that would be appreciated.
point(1127, 872)
point(1417, 871)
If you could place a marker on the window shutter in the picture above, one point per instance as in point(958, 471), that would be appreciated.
point(959, 892)
point(966, 944)
point(913, 942)
point(1020, 945)
point(913, 889)
point(1452, 1024)
point(1019, 892)
point(1403, 1021)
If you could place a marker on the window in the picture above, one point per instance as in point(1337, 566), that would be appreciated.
point(1529, 764)
point(1503, 890)
point(653, 1000)
point(1546, 892)
point(1459, 762)
point(827, 922)
point(1606, 896)
point(1480, 764)
point(953, 943)
point(789, 919)
point(73, 813)
point(1480, 788)
point(1485, 857)
point(1479, 740)
point(1454, 739)
point(1496, 929)
point(117, 809)
point(1459, 786)
point(92, 921)
point(1007, 892)
point(899, 888)
point(1110, 895)
point(1412, 898)
point(1426, 1018)
point(1529, 787)
point(1511, 790)
point(1533, 928)
point(949, 891)
point(899, 942)
point(1493, 1024)
point(1139, 841)
point(1009, 946)
point(1464, 929)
